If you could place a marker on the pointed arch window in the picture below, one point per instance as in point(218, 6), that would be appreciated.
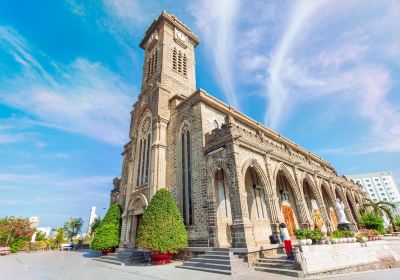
point(259, 196)
point(221, 187)
point(179, 61)
point(186, 177)
point(152, 63)
point(144, 148)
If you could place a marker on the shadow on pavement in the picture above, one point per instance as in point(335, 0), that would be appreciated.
point(88, 253)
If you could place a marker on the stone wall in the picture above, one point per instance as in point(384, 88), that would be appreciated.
point(319, 260)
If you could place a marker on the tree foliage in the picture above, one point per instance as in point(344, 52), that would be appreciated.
point(40, 236)
point(162, 228)
point(372, 221)
point(73, 227)
point(15, 232)
point(60, 236)
point(380, 209)
point(107, 234)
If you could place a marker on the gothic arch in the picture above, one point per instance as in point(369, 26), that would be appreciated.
point(330, 205)
point(317, 195)
point(260, 172)
point(220, 199)
point(218, 163)
point(281, 167)
point(352, 205)
point(138, 204)
point(343, 198)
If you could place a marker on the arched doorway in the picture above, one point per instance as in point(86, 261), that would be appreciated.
point(341, 200)
point(287, 203)
point(135, 213)
point(257, 208)
point(312, 205)
point(223, 209)
point(330, 207)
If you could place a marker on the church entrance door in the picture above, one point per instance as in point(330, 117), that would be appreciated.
point(289, 220)
point(138, 220)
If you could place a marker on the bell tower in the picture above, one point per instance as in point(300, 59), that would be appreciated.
point(168, 71)
point(169, 56)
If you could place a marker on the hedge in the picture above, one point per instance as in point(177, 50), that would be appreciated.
point(162, 228)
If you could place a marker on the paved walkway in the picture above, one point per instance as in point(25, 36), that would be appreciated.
point(78, 265)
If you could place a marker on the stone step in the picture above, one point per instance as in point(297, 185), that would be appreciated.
point(211, 256)
point(220, 253)
point(207, 265)
point(116, 262)
point(206, 269)
point(272, 260)
point(220, 250)
point(210, 260)
point(283, 271)
point(275, 265)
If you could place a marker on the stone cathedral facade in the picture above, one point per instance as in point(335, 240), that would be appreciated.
point(233, 179)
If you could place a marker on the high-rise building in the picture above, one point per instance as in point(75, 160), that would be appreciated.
point(380, 186)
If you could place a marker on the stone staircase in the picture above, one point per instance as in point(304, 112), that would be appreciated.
point(278, 264)
point(125, 256)
point(216, 260)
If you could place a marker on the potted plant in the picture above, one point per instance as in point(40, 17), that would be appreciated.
point(106, 236)
point(162, 229)
point(300, 235)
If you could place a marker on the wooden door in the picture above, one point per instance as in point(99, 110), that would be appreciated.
point(289, 220)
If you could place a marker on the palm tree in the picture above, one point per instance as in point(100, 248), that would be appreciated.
point(380, 208)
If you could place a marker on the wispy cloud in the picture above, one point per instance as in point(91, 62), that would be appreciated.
point(216, 22)
point(295, 53)
point(84, 97)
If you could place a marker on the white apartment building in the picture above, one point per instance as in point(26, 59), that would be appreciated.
point(380, 186)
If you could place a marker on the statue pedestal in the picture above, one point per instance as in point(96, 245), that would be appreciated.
point(342, 226)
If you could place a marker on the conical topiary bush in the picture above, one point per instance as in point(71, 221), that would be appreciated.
point(162, 229)
point(107, 235)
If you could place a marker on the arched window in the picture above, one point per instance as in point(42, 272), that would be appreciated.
point(144, 146)
point(179, 61)
point(186, 173)
point(221, 187)
point(152, 64)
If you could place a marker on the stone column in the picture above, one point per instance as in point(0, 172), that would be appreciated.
point(242, 229)
point(302, 209)
point(212, 222)
point(124, 230)
point(158, 155)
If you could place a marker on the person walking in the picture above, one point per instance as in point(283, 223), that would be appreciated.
point(287, 242)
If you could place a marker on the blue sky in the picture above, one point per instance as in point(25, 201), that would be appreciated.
point(325, 74)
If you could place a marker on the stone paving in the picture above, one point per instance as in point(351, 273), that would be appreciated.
point(79, 265)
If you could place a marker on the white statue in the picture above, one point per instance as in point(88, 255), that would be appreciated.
point(342, 215)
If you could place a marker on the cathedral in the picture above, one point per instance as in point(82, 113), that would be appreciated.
point(234, 180)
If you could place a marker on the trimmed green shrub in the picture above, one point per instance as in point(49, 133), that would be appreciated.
point(107, 235)
point(162, 229)
point(342, 233)
point(372, 221)
point(337, 234)
point(300, 233)
point(113, 214)
point(308, 234)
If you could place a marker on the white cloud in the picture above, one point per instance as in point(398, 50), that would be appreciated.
point(84, 97)
point(216, 22)
point(298, 52)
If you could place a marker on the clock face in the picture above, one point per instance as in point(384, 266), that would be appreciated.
point(181, 36)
